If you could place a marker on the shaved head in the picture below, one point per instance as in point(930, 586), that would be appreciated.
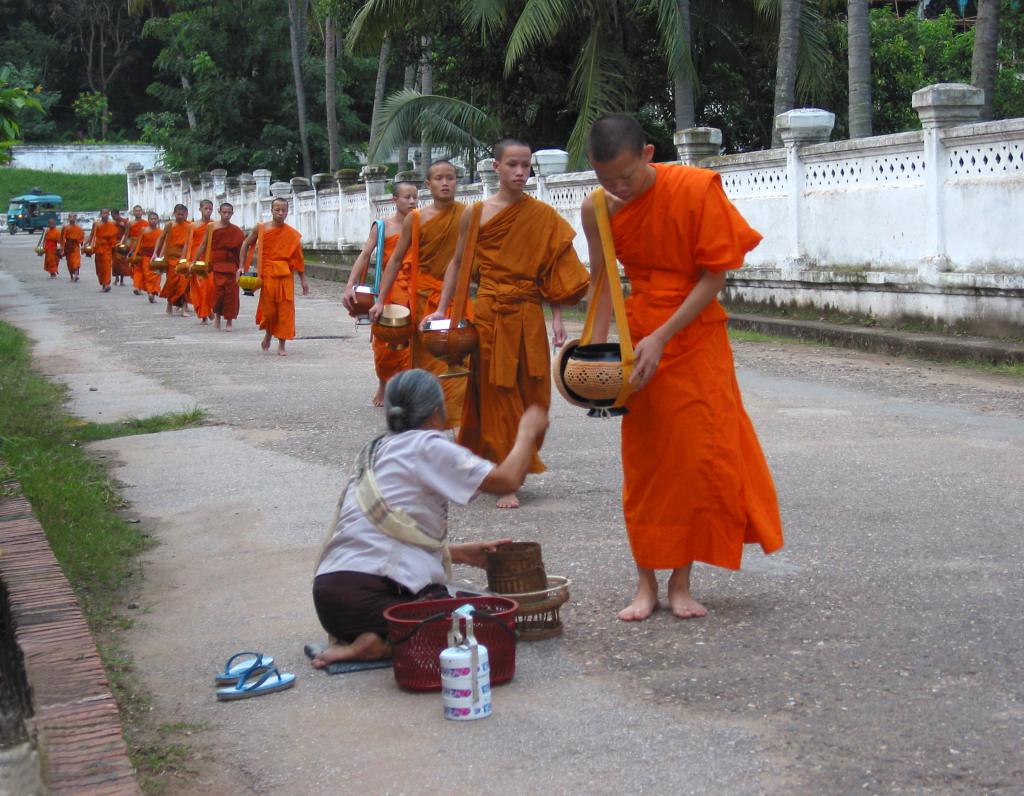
point(613, 134)
point(506, 143)
point(441, 162)
point(398, 186)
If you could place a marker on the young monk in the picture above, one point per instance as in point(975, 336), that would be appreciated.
point(424, 250)
point(131, 239)
point(51, 247)
point(386, 361)
point(121, 266)
point(145, 245)
point(103, 237)
point(200, 295)
point(279, 257)
point(71, 237)
point(696, 485)
point(223, 265)
point(524, 256)
point(173, 246)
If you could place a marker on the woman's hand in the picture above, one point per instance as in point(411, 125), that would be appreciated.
point(434, 316)
point(376, 310)
point(474, 553)
point(348, 298)
point(648, 354)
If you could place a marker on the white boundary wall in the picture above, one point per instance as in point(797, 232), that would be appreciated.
point(926, 224)
point(84, 158)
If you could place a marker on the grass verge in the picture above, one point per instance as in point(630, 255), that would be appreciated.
point(79, 191)
point(78, 506)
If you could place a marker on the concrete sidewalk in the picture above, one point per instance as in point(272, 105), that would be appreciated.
point(877, 652)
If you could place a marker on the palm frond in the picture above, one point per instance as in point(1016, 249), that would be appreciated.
point(812, 64)
point(538, 24)
point(678, 57)
point(407, 114)
point(376, 19)
point(490, 16)
point(596, 87)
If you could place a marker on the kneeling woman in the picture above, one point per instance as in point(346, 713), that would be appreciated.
point(388, 541)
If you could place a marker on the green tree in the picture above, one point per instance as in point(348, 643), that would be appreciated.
point(14, 101)
point(92, 108)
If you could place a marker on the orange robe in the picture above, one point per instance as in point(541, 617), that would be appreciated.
point(386, 361)
point(71, 237)
point(524, 256)
point(200, 288)
point(223, 263)
point(120, 261)
point(280, 259)
point(104, 238)
point(51, 238)
point(150, 280)
point(135, 231)
point(696, 485)
point(176, 248)
point(433, 246)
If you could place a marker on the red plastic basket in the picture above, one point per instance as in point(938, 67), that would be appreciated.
point(418, 633)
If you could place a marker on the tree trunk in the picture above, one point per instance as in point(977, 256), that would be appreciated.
point(381, 86)
point(785, 72)
point(984, 58)
point(297, 39)
point(858, 36)
point(683, 82)
point(426, 87)
point(189, 113)
point(409, 82)
point(330, 92)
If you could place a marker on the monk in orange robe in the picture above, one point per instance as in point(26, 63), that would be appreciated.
point(424, 250)
point(145, 246)
point(524, 257)
point(173, 246)
point(386, 361)
point(279, 257)
point(51, 247)
point(121, 266)
point(223, 265)
point(103, 238)
point(696, 485)
point(200, 295)
point(71, 237)
point(131, 239)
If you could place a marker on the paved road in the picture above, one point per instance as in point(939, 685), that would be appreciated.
point(879, 652)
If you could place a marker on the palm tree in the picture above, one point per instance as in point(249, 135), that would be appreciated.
point(859, 51)
point(786, 66)
point(330, 89)
point(298, 39)
point(983, 59)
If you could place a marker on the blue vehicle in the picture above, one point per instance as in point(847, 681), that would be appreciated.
point(31, 211)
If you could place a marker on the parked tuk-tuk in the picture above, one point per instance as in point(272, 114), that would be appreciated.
point(31, 211)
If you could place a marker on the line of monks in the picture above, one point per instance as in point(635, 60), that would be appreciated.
point(696, 486)
point(200, 262)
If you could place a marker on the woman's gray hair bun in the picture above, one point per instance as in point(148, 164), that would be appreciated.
point(411, 398)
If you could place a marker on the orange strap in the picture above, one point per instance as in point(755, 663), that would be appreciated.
point(414, 268)
point(259, 250)
point(209, 243)
point(610, 274)
point(466, 265)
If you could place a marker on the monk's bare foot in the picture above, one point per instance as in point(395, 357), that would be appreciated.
point(216, 323)
point(204, 322)
point(646, 601)
point(227, 326)
point(508, 501)
point(170, 309)
point(265, 343)
point(280, 349)
point(366, 647)
point(378, 397)
point(679, 598)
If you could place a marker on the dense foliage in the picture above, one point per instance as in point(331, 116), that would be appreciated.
point(211, 81)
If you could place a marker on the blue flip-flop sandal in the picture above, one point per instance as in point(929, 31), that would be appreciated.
point(238, 664)
point(257, 681)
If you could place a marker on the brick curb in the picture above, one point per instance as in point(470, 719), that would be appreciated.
point(884, 341)
point(76, 720)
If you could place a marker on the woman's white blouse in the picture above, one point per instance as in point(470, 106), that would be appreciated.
point(419, 471)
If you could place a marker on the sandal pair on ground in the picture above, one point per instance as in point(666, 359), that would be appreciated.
point(250, 674)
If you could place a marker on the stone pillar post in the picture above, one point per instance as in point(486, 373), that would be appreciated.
point(488, 177)
point(133, 171)
point(147, 190)
point(246, 194)
point(185, 194)
point(799, 128)
point(219, 176)
point(321, 180)
point(262, 180)
point(375, 177)
point(940, 106)
point(695, 144)
point(159, 203)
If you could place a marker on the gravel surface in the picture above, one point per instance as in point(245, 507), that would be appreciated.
point(878, 652)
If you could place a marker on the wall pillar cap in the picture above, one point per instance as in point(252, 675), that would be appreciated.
point(133, 167)
point(281, 189)
point(299, 184)
point(698, 135)
point(805, 126)
point(219, 172)
point(260, 173)
point(948, 104)
point(322, 178)
point(374, 172)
